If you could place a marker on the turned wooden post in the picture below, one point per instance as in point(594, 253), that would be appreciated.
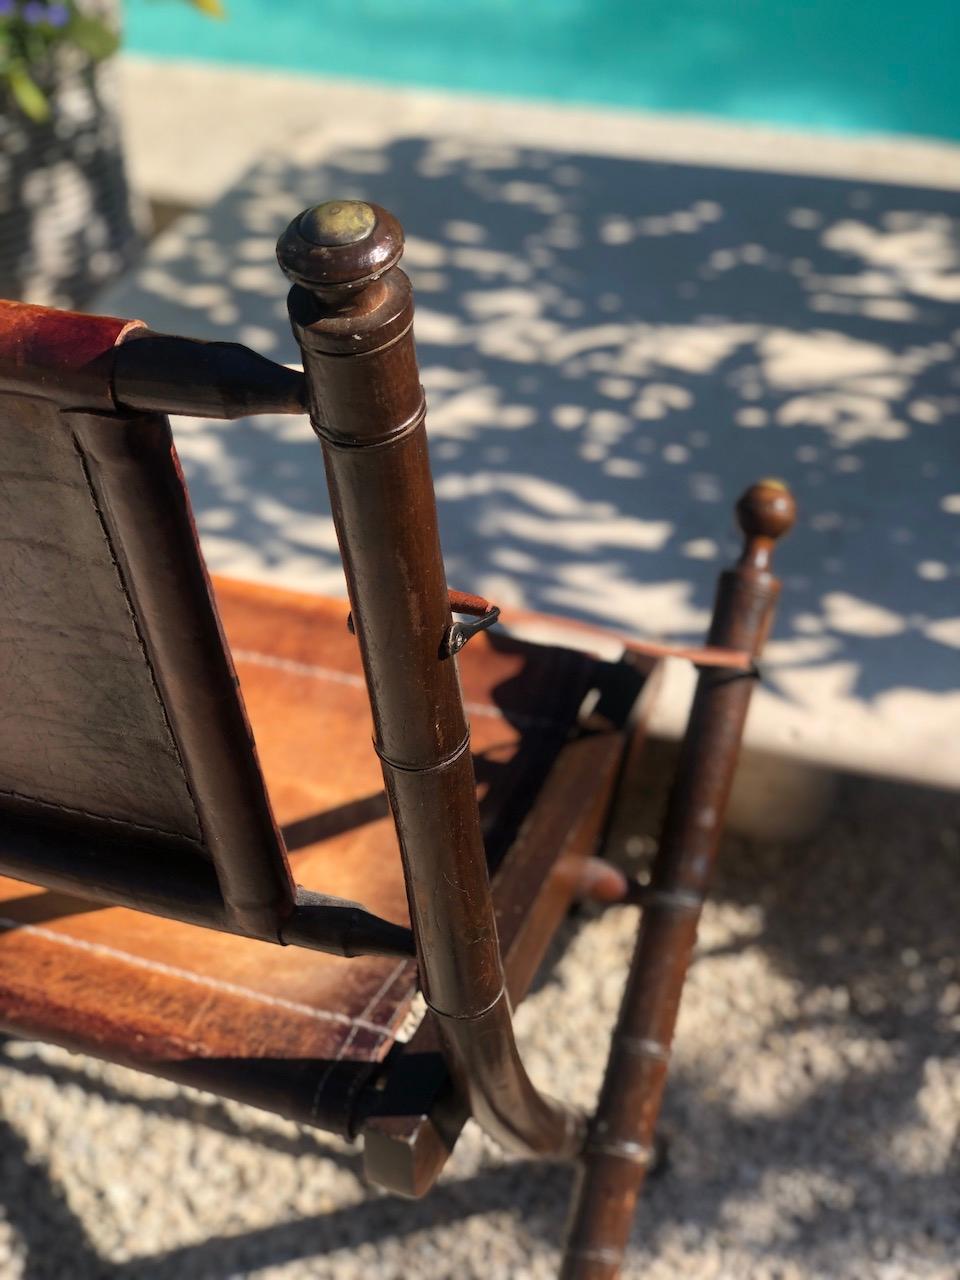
point(351, 308)
point(620, 1142)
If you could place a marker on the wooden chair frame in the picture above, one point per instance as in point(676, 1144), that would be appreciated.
point(351, 309)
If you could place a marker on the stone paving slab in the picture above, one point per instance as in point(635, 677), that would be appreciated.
point(615, 339)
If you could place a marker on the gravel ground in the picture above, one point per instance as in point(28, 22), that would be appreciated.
point(812, 1114)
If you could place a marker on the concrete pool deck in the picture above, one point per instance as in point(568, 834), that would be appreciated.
point(622, 320)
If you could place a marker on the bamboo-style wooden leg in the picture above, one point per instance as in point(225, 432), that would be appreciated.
point(620, 1142)
point(351, 308)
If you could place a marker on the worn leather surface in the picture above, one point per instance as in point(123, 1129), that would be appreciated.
point(119, 702)
point(83, 728)
point(291, 1029)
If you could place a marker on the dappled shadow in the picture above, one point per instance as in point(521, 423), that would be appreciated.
point(611, 350)
point(55, 1241)
point(825, 1127)
point(812, 1122)
point(197, 1108)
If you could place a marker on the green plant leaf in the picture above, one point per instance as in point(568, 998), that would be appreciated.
point(95, 38)
point(27, 93)
point(212, 8)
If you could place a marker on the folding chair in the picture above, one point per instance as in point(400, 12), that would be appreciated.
point(144, 869)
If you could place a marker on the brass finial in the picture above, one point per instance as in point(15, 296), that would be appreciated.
point(340, 246)
point(337, 222)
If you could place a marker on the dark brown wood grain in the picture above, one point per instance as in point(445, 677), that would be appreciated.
point(351, 309)
point(418, 1115)
point(620, 1140)
point(129, 758)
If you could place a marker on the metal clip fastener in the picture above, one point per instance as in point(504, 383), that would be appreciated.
point(480, 612)
point(462, 629)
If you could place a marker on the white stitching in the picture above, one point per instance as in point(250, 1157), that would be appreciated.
point(298, 668)
point(201, 980)
point(357, 682)
point(102, 817)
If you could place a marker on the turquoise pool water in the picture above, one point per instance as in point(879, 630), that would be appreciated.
point(847, 65)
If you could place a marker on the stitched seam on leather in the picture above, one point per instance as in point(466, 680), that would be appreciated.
point(197, 979)
point(294, 668)
point(91, 488)
point(99, 817)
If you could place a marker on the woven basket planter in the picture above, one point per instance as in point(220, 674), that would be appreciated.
point(67, 225)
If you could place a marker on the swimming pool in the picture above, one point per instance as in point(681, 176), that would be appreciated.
point(842, 65)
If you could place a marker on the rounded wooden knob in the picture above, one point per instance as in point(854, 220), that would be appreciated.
point(767, 510)
point(340, 246)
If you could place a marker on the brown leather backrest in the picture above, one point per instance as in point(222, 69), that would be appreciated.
point(119, 710)
point(84, 726)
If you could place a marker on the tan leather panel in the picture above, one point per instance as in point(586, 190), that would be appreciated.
point(162, 993)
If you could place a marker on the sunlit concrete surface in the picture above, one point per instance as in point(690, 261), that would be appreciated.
point(194, 128)
point(621, 322)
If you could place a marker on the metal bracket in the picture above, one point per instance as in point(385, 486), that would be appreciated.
point(461, 630)
point(480, 614)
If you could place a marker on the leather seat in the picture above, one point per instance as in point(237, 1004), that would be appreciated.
point(296, 1030)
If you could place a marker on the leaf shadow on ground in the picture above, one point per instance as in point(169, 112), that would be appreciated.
point(838, 1161)
point(611, 350)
